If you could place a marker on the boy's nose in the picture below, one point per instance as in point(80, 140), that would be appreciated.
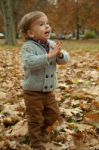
point(47, 26)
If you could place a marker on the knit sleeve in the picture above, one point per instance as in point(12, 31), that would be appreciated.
point(31, 60)
point(64, 59)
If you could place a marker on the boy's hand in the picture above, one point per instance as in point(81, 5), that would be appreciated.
point(56, 51)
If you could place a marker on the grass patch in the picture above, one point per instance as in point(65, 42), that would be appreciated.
point(69, 45)
point(7, 47)
point(4, 46)
point(81, 45)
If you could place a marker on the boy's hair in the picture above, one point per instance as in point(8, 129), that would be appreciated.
point(27, 20)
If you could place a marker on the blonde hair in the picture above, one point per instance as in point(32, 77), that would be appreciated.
point(27, 20)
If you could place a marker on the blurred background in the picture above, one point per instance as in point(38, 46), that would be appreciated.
point(70, 19)
point(76, 24)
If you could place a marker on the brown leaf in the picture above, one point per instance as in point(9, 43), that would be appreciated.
point(92, 118)
point(85, 106)
point(81, 94)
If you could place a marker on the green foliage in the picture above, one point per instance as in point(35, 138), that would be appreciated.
point(90, 35)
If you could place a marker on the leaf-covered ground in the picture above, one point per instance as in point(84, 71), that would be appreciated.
point(78, 97)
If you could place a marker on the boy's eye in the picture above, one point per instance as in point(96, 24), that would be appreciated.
point(41, 24)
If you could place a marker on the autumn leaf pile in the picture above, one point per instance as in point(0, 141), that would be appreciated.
point(77, 95)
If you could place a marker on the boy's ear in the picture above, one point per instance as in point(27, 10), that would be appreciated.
point(30, 34)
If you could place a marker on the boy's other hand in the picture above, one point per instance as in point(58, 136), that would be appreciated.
point(56, 51)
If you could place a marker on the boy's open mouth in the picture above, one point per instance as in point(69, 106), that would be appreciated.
point(47, 33)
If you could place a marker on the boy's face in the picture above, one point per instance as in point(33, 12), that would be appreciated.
point(40, 29)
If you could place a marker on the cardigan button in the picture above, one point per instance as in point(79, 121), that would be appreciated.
point(51, 75)
point(51, 63)
point(51, 86)
point(45, 87)
point(46, 76)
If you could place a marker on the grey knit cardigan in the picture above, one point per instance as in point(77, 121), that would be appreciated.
point(39, 72)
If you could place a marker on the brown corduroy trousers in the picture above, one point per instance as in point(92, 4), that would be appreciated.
point(42, 111)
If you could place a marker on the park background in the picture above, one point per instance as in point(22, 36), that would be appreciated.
point(69, 19)
point(76, 24)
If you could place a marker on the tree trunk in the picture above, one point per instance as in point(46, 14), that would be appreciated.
point(77, 20)
point(9, 23)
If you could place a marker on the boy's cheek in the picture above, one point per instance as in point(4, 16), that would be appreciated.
point(50, 29)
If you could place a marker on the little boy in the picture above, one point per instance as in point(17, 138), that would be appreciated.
point(40, 56)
